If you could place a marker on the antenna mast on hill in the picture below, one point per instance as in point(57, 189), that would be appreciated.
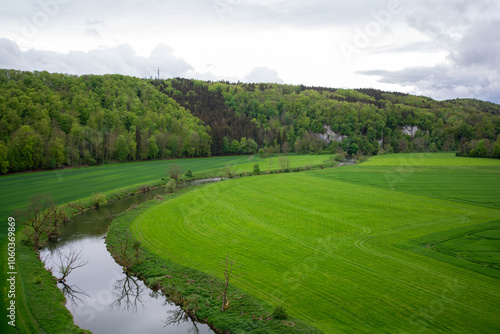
point(158, 73)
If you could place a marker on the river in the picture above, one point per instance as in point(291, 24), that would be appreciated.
point(101, 297)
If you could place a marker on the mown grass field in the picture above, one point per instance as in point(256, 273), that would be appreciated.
point(401, 244)
point(74, 184)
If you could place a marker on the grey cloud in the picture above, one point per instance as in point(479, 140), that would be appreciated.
point(263, 74)
point(468, 32)
point(445, 81)
point(481, 46)
point(121, 59)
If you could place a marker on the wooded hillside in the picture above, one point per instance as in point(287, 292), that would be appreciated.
point(53, 120)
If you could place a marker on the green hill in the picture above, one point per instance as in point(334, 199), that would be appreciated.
point(55, 120)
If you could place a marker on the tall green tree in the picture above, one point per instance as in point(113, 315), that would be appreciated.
point(4, 162)
point(152, 148)
point(122, 149)
point(235, 146)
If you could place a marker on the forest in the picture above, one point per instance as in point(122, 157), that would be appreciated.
point(57, 120)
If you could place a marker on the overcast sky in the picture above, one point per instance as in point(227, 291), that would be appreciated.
point(438, 48)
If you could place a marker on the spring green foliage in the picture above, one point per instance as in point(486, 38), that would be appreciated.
point(171, 186)
point(279, 313)
point(98, 199)
point(256, 169)
point(373, 121)
point(52, 120)
point(370, 249)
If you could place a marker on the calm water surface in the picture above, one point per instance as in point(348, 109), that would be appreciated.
point(101, 297)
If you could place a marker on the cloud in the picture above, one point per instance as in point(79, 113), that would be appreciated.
point(263, 74)
point(444, 81)
point(121, 59)
point(468, 32)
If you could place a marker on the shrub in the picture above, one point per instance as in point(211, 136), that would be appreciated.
point(279, 313)
point(98, 199)
point(171, 186)
point(189, 173)
point(339, 156)
point(262, 154)
point(256, 169)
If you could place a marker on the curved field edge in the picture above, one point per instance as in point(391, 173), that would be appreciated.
point(450, 246)
point(352, 265)
point(16, 192)
point(190, 288)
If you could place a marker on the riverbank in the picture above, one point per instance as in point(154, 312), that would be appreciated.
point(193, 290)
point(40, 304)
point(32, 319)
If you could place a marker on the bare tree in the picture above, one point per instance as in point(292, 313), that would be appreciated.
point(174, 171)
point(284, 163)
point(43, 219)
point(270, 165)
point(128, 254)
point(179, 316)
point(222, 289)
point(73, 293)
point(228, 171)
point(68, 262)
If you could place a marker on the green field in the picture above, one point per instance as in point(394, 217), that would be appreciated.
point(74, 184)
point(400, 244)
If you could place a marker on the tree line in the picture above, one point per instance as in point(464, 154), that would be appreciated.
point(54, 120)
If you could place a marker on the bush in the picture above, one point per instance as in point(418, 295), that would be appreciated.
point(256, 169)
point(171, 186)
point(189, 173)
point(339, 156)
point(279, 313)
point(262, 154)
point(98, 199)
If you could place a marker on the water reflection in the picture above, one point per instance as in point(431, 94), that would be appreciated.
point(129, 294)
point(101, 297)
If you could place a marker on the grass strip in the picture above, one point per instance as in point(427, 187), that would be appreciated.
point(191, 289)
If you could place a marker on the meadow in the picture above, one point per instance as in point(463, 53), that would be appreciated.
point(77, 184)
point(399, 244)
point(66, 185)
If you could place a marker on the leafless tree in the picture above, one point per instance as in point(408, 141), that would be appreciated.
point(270, 165)
point(174, 171)
point(228, 171)
point(179, 316)
point(68, 262)
point(284, 163)
point(43, 219)
point(229, 266)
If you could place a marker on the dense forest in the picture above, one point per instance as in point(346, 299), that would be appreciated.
point(55, 120)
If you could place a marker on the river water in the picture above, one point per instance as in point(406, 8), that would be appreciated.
point(101, 297)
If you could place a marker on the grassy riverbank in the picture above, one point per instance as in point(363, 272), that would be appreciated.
point(76, 186)
point(192, 290)
point(370, 248)
point(40, 304)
